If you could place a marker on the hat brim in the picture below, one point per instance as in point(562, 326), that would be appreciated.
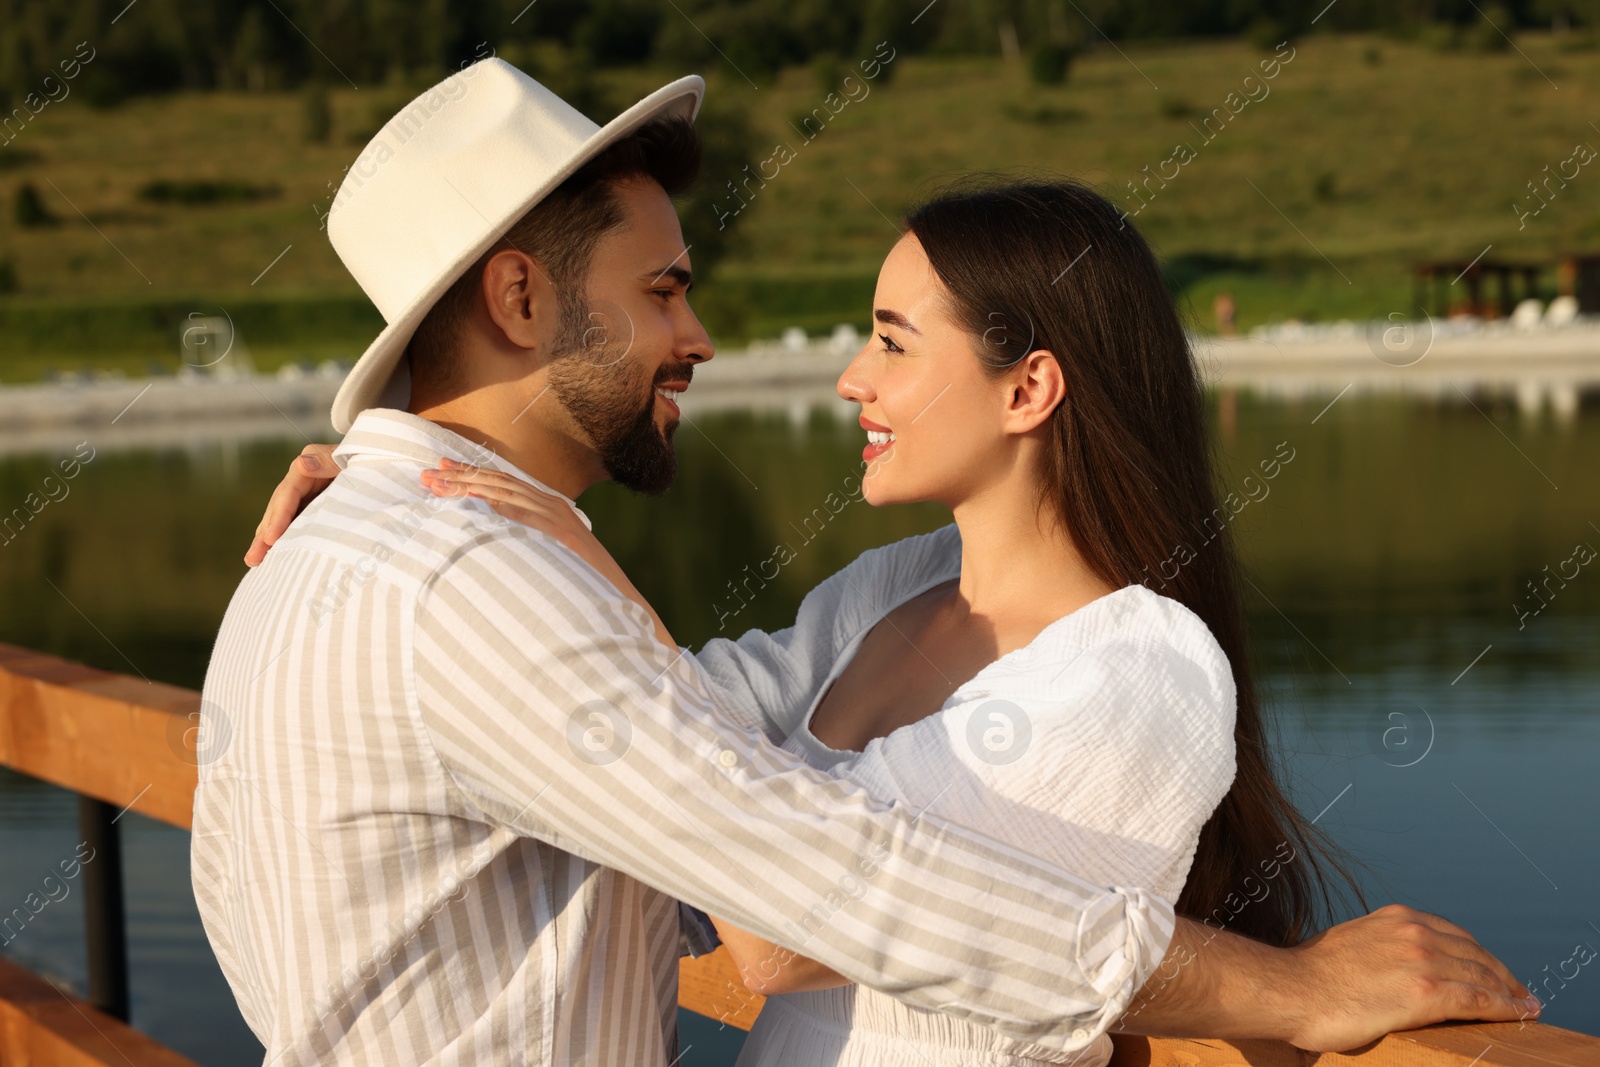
point(378, 379)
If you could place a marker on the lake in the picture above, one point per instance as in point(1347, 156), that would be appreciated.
point(1437, 716)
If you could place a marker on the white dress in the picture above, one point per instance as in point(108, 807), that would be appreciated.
point(1103, 746)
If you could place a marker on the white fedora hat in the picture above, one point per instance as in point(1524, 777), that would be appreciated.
point(440, 184)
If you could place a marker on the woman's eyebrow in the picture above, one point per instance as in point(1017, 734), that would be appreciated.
point(894, 318)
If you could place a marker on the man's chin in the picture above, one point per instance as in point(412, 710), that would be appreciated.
point(651, 473)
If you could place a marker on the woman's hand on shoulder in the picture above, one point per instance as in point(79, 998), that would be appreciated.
point(312, 471)
point(538, 510)
point(517, 500)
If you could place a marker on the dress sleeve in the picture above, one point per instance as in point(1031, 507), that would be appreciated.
point(768, 681)
point(1108, 763)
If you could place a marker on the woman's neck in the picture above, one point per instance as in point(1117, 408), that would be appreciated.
point(1020, 569)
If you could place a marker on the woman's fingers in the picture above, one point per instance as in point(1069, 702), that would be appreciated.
point(311, 472)
point(518, 498)
point(519, 514)
point(317, 461)
point(495, 486)
point(463, 475)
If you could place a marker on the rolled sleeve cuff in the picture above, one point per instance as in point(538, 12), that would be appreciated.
point(1122, 938)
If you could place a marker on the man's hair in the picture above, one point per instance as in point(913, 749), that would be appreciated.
point(561, 232)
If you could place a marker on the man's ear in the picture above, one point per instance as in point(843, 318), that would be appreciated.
point(519, 297)
point(1035, 387)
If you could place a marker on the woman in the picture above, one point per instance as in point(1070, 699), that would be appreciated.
point(1056, 665)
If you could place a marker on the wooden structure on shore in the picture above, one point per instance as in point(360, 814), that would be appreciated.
point(1576, 276)
point(124, 744)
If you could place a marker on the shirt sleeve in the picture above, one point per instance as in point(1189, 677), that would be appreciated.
point(558, 715)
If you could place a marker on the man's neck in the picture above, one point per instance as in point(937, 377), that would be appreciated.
point(533, 441)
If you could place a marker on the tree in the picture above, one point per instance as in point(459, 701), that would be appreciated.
point(318, 113)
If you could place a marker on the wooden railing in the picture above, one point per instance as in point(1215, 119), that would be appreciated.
point(123, 744)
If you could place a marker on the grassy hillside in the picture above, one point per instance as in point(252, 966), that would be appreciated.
point(1366, 151)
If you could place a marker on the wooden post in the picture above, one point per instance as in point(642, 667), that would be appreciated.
point(104, 916)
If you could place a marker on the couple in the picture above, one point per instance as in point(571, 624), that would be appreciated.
point(477, 802)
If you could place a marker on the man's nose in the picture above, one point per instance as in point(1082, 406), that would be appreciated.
point(694, 344)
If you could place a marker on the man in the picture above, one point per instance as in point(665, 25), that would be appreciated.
point(466, 785)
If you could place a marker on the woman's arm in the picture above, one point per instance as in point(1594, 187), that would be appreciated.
point(769, 969)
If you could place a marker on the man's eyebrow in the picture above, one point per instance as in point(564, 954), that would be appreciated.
point(894, 318)
point(680, 275)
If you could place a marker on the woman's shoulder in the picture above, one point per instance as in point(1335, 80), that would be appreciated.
point(1144, 650)
point(1138, 615)
point(881, 578)
point(935, 551)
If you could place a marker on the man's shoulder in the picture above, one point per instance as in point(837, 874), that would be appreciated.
point(378, 510)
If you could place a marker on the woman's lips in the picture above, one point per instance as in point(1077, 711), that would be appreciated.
point(880, 439)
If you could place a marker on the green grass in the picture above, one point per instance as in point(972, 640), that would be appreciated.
point(1310, 203)
point(138, 337)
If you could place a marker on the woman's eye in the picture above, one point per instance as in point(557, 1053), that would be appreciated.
point(888, 345)
point(665, 294)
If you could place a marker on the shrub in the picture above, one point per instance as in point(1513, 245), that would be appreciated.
point(1175, 107)
point(204, 191)
point(29, 207)
point(12, 158)
point(1049, 63)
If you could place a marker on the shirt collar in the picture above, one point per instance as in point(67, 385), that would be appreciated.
point(402, 435)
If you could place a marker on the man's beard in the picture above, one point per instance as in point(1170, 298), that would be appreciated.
point(603, 395)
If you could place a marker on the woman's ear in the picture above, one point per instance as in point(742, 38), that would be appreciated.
point(1035, 387)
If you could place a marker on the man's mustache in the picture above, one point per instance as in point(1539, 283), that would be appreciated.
point(669, 373)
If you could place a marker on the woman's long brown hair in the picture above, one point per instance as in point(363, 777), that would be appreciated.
point(1053, 265)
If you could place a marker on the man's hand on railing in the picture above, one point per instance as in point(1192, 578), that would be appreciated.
point(1398, 969)
point(311, 472)
point(1395, 969)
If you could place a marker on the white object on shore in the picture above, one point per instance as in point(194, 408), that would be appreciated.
point(1562, 311)
point(794, 339)
point(1527, 314)
point(845, 338)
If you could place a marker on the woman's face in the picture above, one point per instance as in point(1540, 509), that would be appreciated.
point(933, 417)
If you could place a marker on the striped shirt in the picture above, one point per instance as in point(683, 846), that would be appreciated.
point(452, 789)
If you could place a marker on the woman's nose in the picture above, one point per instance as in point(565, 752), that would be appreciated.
point(856, 381)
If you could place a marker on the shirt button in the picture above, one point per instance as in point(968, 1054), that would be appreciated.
point(728, 758)
point(1080, 1034)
